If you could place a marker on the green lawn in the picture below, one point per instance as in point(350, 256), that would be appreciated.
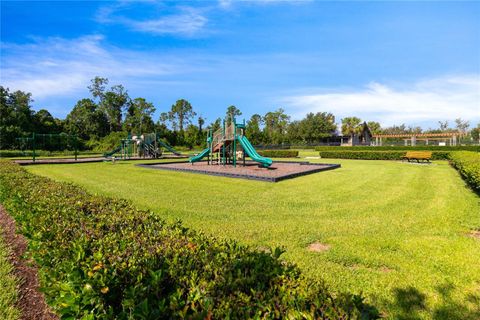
point(397, 232)
point(8, 285)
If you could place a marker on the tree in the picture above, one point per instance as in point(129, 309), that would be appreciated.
point(253, 130)
point(139, 116)
point(97, 88)
point(401, 129)
point(21, 102)
point(163, 119)
point(202, 134)
point(430, 130)
point(201, 122)
point(412, 129)
point(375, 127)
point(192, 136)
point(294, 134)
point(462, 125)
point(232, 111)
point(112, 102)
point(351, 126)
point(275, 128)
point(86, 120)
point(16, 116)
point(181, 114)
point(217, 124)
point(443, 125)
point(45, 122)
point(475, 133)
point(315, 127)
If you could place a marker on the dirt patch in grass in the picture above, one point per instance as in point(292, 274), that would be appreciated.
point(385, 269)
point(31, 302)
point(318, 247)
point(475, 234)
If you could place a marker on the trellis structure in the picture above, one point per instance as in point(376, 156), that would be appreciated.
point(450, 137)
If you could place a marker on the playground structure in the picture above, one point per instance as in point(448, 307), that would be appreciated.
point(227, 145)
point(146, 145)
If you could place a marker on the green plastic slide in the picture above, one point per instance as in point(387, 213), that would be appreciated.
point(252, 153)
point(111, 153)
point(199, 156)
point(168, 147)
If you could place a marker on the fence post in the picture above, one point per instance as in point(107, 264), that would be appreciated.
point(75, 146)
point(33, 145)
point(234, 122)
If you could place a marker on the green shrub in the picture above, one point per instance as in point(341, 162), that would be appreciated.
point(102, 258)
point(376, 155)
point(109, 142)
point(9, 284)
point(468, 164)
point(399, 148)
point(41, 153)
point(278, 153)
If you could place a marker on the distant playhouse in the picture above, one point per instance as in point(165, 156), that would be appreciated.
point(362, 138)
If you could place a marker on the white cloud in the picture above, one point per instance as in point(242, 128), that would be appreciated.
point(56, 67)
point(434, 99)
point(186, 21)
point(229, 3)
point(225, 3)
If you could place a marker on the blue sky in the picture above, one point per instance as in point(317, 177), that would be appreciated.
point(392, 62)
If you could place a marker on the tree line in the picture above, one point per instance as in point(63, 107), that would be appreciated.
point(109, 114)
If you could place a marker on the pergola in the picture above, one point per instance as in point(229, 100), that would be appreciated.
point(451, 137)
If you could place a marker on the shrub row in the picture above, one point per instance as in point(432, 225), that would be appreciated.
point(376, 155)
point(101, 258)
point(399, 148)
point(468, 164)
point(40, 153)
point(279, 153)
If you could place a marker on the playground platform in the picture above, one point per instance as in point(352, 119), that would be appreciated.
point(279, 170)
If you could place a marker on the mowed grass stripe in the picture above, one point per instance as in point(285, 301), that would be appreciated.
point(391, 226)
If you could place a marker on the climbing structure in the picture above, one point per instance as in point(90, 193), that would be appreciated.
point(228, 144)
point(146, 145)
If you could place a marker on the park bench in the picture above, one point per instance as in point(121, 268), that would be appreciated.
point(417, 155)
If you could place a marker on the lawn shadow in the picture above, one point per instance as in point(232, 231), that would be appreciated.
point(411, 304)
point(451, 309)
point(410, 301)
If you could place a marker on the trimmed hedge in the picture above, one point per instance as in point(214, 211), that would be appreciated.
point(377, 155)
point(40, 153)
point(399, 148)
point(468, 164)
point(279, 153)
point(101, 258)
